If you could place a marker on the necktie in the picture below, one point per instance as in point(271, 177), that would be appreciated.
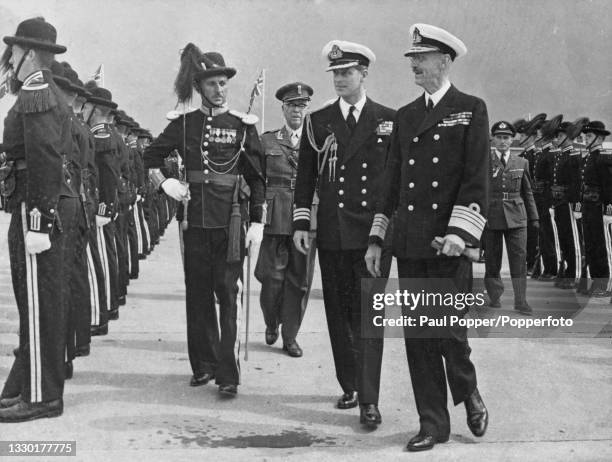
point(430, 105)
point(503, 159)
point(350, 119)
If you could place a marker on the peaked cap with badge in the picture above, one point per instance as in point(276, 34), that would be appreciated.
point(294, 91)
point(342, 55)
point(503, 128)
point(427, 38)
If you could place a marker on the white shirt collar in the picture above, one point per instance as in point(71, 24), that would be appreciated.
point(437, 96)
point(500, 154)
point(344, 107)
point(290, 131)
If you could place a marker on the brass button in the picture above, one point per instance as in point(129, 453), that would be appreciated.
point(435, 160)
point(209, 118)
point(364, 203)
point(364, 165)
point(411, 161)
point(205, 143)
point(341, 192)
point(434, 206)
point(205, 161)
point(206, 181)
point(341, 179)
point(411, 185)
point(206, 172)
point(208, 127)
point(342, 167)
point(363, 178)
point(206, 135)
point(363, 191)
point(411, 207)
point(436, 137)
point(341, 205)
point(434, 184)
point(415, 139)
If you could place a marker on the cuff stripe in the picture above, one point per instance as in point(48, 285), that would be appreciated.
point(379, 226)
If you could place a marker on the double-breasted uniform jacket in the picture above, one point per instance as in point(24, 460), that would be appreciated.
point(543, 173)
point(108, 161)
point(592, 176)
point(281, 173)
point(511, 203)
point(437, 175)
point(211, 143)
point(89, 170)
point(38, 137)
point(347, 196)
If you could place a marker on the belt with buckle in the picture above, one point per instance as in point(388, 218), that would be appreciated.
point(280, 182)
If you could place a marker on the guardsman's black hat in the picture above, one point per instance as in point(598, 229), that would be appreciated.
point(100, 96)
point(549, 127)
point(573, 129)
point(77, 84)
point(596, 127)
point(503, 128)
point(36, 33)
point(532, 126)
point(519, 125)
point(294, 91)
point(214, 64)
point(59, 77)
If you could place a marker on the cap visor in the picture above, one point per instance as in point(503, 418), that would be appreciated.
point(342, 66)
point(421, 49)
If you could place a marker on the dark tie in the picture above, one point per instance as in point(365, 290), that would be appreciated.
point(503, 159)
point(430, 105)
point(350, 119)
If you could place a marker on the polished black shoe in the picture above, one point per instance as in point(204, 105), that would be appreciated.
point(271, 335)
point(22, 411)
point(8, 402)
point(477, 414)
point(228, 389)
point(423, 442)
point(369, 415)
point(524, 309)
point(122, 300)
point(494, 303)
point(547, 277)
point(83, 350)
point(293, 349)
point(599, 293)
point(197, 380)
point(68, 370)
point(99, 330)
point(348, 401)
point(113, 315)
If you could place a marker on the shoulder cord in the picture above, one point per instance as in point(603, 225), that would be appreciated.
point(329, 145)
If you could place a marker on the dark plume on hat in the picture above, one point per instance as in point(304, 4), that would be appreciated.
point(190, 65)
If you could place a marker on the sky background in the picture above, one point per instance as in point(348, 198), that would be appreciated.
point(524, 56)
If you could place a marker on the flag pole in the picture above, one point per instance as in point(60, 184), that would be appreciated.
point(263, 100)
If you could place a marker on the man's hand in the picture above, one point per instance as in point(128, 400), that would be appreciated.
point(176, 190)
point(254, 235)
point(301, 239)
point(534, 224)
point(577, 215)
point(452, 246)
point(101, 221)
point(372, 259)
point(37, 242)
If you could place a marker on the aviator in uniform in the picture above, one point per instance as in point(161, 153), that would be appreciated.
point(284, 272)
point(221, 152)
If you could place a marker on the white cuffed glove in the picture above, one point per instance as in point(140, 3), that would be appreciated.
point(138, 197)
point(577, 215)
point(175, 189)
point(37, 242)
point(453, 245)
point(254, 235)
point(101, 221)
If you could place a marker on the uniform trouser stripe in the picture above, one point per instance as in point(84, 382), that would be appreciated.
point(607, 230)
point(555, 234)
point(33, 316)
point(576, 241)
point(128, 249)
point(93, 288)
point(138, 229)
point(238, 322)
point(104, 258)
point(145, 226)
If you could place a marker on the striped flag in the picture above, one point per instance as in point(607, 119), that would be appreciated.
point(98, 77)
point(258, 89)
point(4, 85)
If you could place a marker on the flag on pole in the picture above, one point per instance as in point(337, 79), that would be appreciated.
point(98, 77)
point(258, 88)
point(4, 86)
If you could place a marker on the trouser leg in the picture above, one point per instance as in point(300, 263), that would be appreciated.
point(494, 240)
point(516, 241)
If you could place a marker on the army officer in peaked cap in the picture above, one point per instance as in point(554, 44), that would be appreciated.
point(436, 180)
point(284, 272)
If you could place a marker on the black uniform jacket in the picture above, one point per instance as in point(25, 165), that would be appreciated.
point(346, 201)
point(437, 175)
point(511, 203)
point(38, 136)
point(218, 136)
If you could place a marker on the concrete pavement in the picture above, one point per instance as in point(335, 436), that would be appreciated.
point(549, 399)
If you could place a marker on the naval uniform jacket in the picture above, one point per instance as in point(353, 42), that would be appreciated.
point(38, 137)
point(437, 175)
point(346, 201)
point(511, 203)
point(281, 173)
point(216, 135)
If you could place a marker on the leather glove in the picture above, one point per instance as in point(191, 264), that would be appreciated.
point(452, 246)
point(175, 189)
point(37, 242)
point(101, 221)
point(254, 235)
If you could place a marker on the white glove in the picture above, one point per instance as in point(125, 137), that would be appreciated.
point(453, 245)
point(175, 189)
point(254, 235)
point(37, 242)
point(607, 219)
point(138, 197)
point(577, 215)
point(101, 221)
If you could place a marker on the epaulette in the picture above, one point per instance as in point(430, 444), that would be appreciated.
point(248, 119)
point(271, 131)
point(175, 114)
point(35, 95)
point(100, 131)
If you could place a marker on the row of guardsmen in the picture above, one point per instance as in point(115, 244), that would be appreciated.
point(551, 198)
point(84, 213)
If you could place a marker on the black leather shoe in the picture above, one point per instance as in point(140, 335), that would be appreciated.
point(494, 303)
point(599, 293)
point(477, 414)
point(271, 335)
point(8, 402)
point(99, 330)
point(524, 309)
point(423, 442)
point(113, 315)
point(22, 411)
point(293, 349)
point(228, 389)
point(348, 401)
point(68, 370)
point(122, 300)
point(369, 415)
point(547, 277)
point(83, 350)
point(197, 380)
